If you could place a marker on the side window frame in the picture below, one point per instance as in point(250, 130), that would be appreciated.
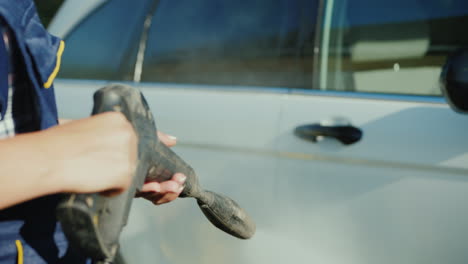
point(127, 65)
point(314, 49)
point(326, 50)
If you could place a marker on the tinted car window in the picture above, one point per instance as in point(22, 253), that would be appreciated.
point(396, 46)
point(103, 46)
point(256, 42)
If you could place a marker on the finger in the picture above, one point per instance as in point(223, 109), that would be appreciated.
point(168, 140)
point(152, 197)
point(152, 187)
point(168, 197)
point(151, 191)
point(171, 187)
point(170, 190)
point(160, 193)
point(179, 178)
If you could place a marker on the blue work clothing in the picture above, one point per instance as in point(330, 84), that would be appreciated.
point(39, 54)
point(29, 231)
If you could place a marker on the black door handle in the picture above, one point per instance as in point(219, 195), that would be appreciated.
point(345, 134)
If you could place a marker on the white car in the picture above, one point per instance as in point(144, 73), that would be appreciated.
point(323, 119)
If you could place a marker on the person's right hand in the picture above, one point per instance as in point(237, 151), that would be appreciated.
point(94, 154)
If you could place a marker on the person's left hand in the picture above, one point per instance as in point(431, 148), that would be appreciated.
point(164, 192)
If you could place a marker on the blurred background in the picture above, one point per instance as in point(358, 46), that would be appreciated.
point(235, 80)
point(47, 9)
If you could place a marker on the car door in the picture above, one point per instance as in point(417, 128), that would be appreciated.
point(215, 75)
point(234, 80)
point(218, 73)
point(398, 194)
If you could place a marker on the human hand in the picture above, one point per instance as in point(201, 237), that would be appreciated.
point(94, 154)
point(89, 155)
point(117, 146)
point(167, 191)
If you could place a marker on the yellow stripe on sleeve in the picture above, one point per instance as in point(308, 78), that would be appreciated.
point(19, 247)
point(52, 76)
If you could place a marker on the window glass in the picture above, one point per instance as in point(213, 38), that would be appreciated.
point(396, 46)
point(104, 45)
point(244, 42)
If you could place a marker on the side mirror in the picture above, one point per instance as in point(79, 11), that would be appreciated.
point(454, 81)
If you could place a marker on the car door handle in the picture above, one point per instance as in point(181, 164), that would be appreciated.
point(346, 134)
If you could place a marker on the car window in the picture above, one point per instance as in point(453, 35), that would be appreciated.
point(103, 46)
point(253, 43)
point(395, 47)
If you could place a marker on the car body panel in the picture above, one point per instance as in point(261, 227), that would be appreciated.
point(395, 196)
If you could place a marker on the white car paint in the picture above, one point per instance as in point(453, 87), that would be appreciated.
point(396, 196)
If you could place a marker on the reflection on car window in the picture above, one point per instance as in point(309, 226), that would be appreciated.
point(396, 46)
point(104, 45)
point(256, 43)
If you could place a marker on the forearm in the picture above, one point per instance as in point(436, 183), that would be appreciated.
point(89, 155)
point(63, 121)
point(25, 169)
